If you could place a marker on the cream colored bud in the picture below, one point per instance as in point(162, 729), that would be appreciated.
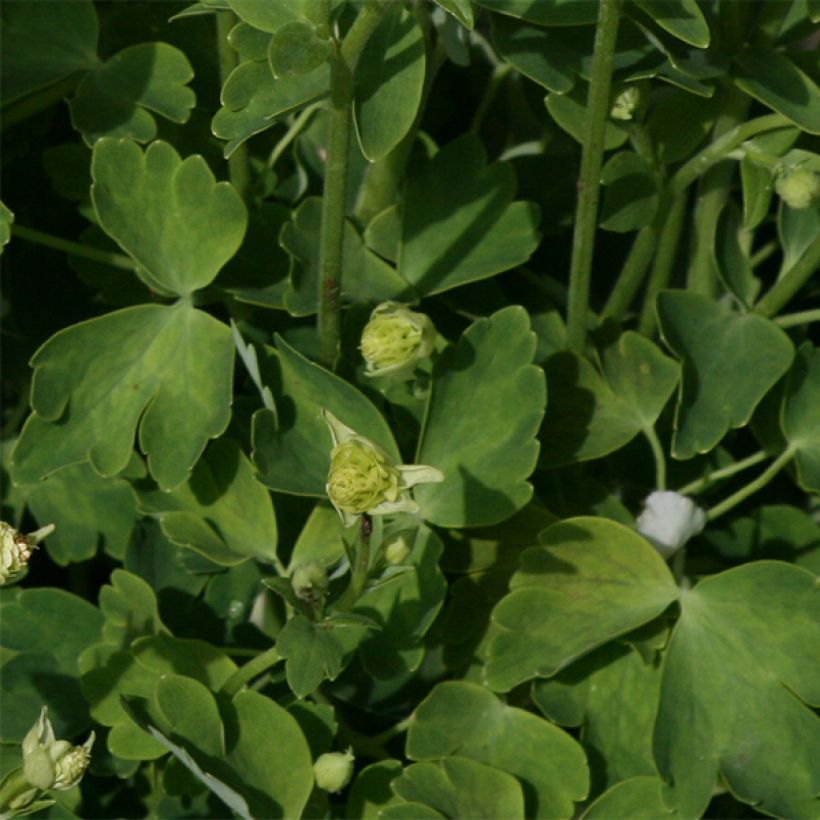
point(333, 770)
point(53, 764)
point(625, 103)
point(397, 549)
point(396, 339)
point(798, 187)
point(669, 520)
point(16, 550)
point(309, 581)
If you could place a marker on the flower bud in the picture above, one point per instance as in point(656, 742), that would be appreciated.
point(16, 549)
point(395, 339)
point(53, 764)
point(625, 103)
point(798, 187)
point(397, 549)
point(669, 520)
point(333, 770)
point(364, 479)
point(309, 582)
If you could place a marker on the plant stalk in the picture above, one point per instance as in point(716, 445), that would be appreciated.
point(782, 291)
point(753, 486)
point(657, 453)
point(583, 241)
point(116, 260)
point(804, 317)
point(699, 484)
point(331, 239)
point(361, 567)
point(252, 669)
point(632, 273)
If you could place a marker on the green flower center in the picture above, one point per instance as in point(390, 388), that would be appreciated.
point(360, 478)
point(388, 341)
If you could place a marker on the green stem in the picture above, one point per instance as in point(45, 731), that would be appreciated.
point(753, 486)
point(759, 257)
point(116, 260)
point(331, 237)
point(16, 794)
point(713, 191)
point(804, 317)
point(632, 273)
point(583, 241)
point(239, 170)
point(784, 289)
point(252, 669)
point(694, 487)
point(500, 71)
point(679, 567)
point(361, 567)
point(723, 145)
point(664, 262)
point(660, 459)
point(290, 135)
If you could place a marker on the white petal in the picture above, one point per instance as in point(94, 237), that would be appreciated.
point(338, 430)
point(412, 474)
point(669, 520)
point(403, 504)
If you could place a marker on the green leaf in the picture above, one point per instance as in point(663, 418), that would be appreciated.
point(268, 17)
point(466, 719)
point(130, 609)
point(545, 12)
point(639, 798)
point(588, 582)
point(320, 538)
point(252, 99)
point(313, 654)
point(797, 229)
point(365, 277)
point(569, 112)
point(614, 693)
point(190, 712)
point(281, 772)
point(6, 220)
point(116, 99)
point(459, 223)
point(729, 363)
point(389, 80)
point(222, 511)
point(631, 194)
point(166, 369)
point(44, 631)
point(536, 53)
point(486, 391)
point(170, 215)
point(370, 793)
point(459, 787)
point(733, 244)
point(45, 43)
point(87, 509)
point(292, 449)
point(757, 193)
point(462, 10)
point(297, 49)
point(722, 648)
point(799, 417)
point(771, 77)
point(681, 18)
point(673, 143)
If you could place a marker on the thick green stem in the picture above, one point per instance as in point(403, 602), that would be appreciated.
point(359, 571)
point(583, 241)
point(753, 486)
point(724, 472)
point(804, 317)
point(116, 260)
point(239, 170)
point(252, 669)
point(782, 291)
point(664, 262)
point(331, 239)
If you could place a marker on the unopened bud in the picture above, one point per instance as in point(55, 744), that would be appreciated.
point(333, 770)
point(798, 187)
point(309, 582)
point(395, 339)
point(669, 520)
point(53, 764)
point(625, 103)
point(16, 549)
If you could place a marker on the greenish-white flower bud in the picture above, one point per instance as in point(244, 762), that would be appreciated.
point(53, 764)
point(625, 103)
point(669, 520)
point(309, 582)
point(333, 770)
point(397, 548)
point(395, 339)
point(798, 187)
point(364, 479)
point(16, 549)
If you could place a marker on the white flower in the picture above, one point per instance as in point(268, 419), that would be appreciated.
point(364, 479)
point(53, 764)
point(669, 520)
point(395, 339)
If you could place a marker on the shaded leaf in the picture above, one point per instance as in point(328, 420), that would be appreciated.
point(569, 112)
point(6, 220)
point(545, 12)
point(462, 10)
point(681, 18)
point(631, 195)
point(732, 255)
point(800, 419)
point(129, 606)
point(638, 798)
point(167, 370)
point(296, 49)
point(485, 390)
point(312, 654)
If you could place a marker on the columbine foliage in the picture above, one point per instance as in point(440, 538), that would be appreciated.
point(508, 507)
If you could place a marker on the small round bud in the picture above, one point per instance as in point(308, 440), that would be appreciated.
point(669, 520)
point(397, 549)
point(625, 103)
point(360, 478)
point(16, 549)
point(395, 339)
point(309, 582)
point(798, 187)
point(53, 764)
point(333, 770)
